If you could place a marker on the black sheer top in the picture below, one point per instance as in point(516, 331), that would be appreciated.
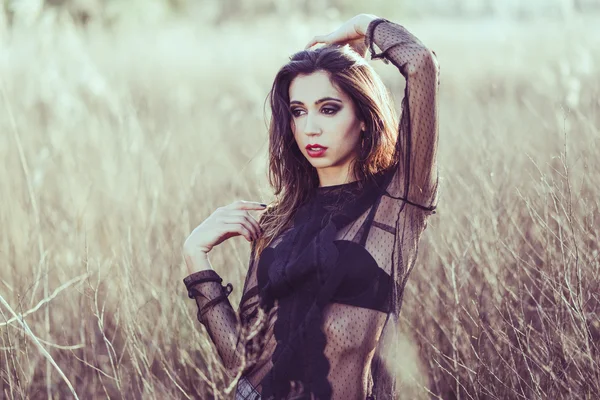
point(329, 288)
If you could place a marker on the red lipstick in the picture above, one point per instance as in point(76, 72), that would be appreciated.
point(315, 150)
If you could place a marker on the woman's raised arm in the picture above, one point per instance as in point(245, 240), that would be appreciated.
point(416, 178)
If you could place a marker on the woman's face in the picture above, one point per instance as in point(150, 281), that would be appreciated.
point(324, 115)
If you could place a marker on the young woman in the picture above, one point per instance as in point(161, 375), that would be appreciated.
point(330, 257)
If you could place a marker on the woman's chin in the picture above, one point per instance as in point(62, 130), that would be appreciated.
point(320, 163)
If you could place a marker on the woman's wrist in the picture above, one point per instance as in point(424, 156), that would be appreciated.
point(365, 20)
point(197, 261)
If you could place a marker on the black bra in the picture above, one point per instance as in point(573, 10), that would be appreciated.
point(365, 284)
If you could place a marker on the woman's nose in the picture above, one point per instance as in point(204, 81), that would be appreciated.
point(311, 125)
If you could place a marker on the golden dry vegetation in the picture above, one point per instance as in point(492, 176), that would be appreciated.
point(115, 143)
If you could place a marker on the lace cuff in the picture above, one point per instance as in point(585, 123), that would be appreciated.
point(369, 39)
point(388, 36)
point(196, 278)
point(205, 286)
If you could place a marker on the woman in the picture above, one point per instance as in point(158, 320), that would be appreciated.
point(331, 256)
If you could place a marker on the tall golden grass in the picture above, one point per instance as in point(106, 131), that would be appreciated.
point(116, 143)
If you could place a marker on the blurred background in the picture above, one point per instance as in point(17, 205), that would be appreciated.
point(124, 124)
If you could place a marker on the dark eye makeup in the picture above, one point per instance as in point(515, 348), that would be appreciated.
point(330, 111)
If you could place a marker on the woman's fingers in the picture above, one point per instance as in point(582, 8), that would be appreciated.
point(245, 205)
point(249, 218)
point(332, 37)
point(315, 40)
point(242, 208)
point(243, 230)
point(247, 221)
point(225, 222)
point(311, 43)
point(253, 224)
point(356, 44)
point(345, 33)
point(238, 213)
point(241, 226)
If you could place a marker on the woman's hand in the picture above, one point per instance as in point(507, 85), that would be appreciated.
point(351, 32)
point(226, 222)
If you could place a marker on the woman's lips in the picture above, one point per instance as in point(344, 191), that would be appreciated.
point(316, 153)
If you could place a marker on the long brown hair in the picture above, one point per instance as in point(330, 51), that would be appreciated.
point(291, 175)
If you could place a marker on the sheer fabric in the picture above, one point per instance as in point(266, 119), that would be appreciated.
point(328, 285)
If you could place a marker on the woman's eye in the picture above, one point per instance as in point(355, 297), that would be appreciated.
point(326, 110)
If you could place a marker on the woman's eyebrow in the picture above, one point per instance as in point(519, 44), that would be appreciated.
point(318, 101)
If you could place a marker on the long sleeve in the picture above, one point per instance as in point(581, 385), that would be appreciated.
point(227, 328)
point(412, 192)
point(416, 177)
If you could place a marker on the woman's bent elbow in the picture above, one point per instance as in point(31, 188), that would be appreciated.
point(425, 60)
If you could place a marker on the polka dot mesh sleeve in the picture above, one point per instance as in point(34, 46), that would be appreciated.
point(411, 194)
point(417, 176)
point(228, 329)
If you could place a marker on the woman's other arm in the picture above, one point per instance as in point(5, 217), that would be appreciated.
point(225, 326)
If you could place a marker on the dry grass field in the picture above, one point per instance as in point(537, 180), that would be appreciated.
point(115, 144)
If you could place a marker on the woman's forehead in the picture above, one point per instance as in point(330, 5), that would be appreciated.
point(308, 89)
